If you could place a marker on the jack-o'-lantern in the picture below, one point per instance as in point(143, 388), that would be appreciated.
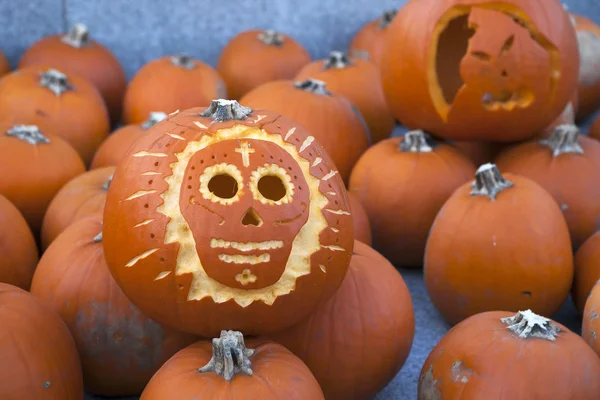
point(480, 69)
point(227, 218)
point(369, 41)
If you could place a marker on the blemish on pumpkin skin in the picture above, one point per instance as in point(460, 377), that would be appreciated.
point(460, 373)
point(428, 386)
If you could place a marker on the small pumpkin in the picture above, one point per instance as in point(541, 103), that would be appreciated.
point(77, 53)
point(255, 57)
point(499, 243)
point(369, 40)
point(228, 370)
point(67, 105)
point(169, 84)
point(402, 184)
point(330, 118)
point(360, 82)
point(4, 65)
point(357, 341)
point(500, 355)
point(587, 270)
point(591, 325)
point(594, 131)
point(360, 219)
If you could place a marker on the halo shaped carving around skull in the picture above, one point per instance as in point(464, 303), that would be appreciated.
point(227, 219)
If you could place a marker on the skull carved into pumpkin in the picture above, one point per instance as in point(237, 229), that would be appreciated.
point(227, 218)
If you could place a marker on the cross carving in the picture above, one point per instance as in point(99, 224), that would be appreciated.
point(245, 150)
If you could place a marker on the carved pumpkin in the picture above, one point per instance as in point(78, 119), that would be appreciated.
point(591, 324)
point(82, 196)
point(369, 40)
point(17, 247)
point(499, 243)
point(480, 70)
point(360, 82)
point(358, 340)
point(587, 270)
point(169, 84)
point(334, 122)
point(499, 355)
point(228, 370)
point(255, 57)
point(403, 183)
point(39, 357)
point(120, 348)
point(588, 38)
point(69, 106)
point(567, 165)
point(34, 167)
point(115, 147)
point(4, 64)
point(360, 219)
point(77, 53)
point(227, 218)
point(594, 131)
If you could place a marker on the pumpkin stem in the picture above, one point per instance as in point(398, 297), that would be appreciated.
point(489, 182)
point(153, 118)
point(564, 140)
point(106, 185)
point(186, 62)
point(416, 142)
point(78, 37)
point(56, 81)
point(386, 18)
point(226, 110)
point(230, 356)
point(313, 86)
point(337, 59)
point(97, 238)
point(271, 38)
point(527, 324)
point(29, 133)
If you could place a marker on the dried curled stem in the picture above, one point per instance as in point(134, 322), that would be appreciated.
point(226, 110)
point(337, 59)
point(153, 118)
point(314, 86)
point(271, 38)
point(564, 140)
point(230, 356)
point(416, 142)
point(56, 81)
point(489, 182)
point(527, 325)
point(386, 18)
point(186, 62)
point(29, 133)
point(78, 37)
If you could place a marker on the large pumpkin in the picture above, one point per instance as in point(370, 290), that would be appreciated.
point(590, 327)
point(499, 243)
point(499, 355)
point(39, 357)
point(358, 340)
point(403, 183)
point(587, 270)
point(369, 40)
point(227, 218)
point(480, 69)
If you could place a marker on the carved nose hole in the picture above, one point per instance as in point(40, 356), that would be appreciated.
point(252, 218)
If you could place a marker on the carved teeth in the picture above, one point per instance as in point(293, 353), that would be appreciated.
point(248, 246)
point(240, 259)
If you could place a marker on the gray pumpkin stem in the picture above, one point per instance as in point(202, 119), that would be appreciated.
point(386, 18)
point(564, 140)
point(230, 356)
point(528, 325)
point(416, 142)
point(489, 182)
point(226, 110)
point(28, 133)
point(337, 59)
point(313, 86)
point(185, 62)
point(153, 118)
point(271, 38)
point(55, 81)
point(78, 37)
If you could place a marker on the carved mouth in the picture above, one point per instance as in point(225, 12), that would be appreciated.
point(245, 246)
point(245, 259)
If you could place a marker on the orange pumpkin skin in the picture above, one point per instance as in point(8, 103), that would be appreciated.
point(588, 37)
point(480, 152)
point(232, 257)
point(169, 84)
point(78, 115)
point(594, 131)
point(480, 69)
point(358, 340)
point(362, 226)
point(82, 196)
point(32, 173)
point(511, 253)
point(17, 246)
point(76, 53)
point(403, 188)
point(329, 117)
point(483, 358)
point(566, 117)
point(255, 57)
point(39, 357)
point(370, 39)
point(4, 65)
point(587, 270)
point(590, 325)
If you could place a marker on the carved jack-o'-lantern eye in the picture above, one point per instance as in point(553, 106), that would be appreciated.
point(221, 183)
point(271, 184)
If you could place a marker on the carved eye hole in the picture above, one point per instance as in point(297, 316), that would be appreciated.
point(271, 184)
point(223, 185)
point(271, 187)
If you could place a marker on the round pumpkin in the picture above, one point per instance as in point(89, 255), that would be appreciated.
point(39, 357)
point(358, 340)
point(567, 165)
point(82, 196)
point(369, 40)
point(227, 217)
point(169, 84)
point(333, 121)
point(499, 243)
point(587, 270)
point(77, 53)
point(34, 167)
point(403, 183)
point(480, 69)
point(360, 219)
point(4, 65)
point(228, 370)
point(114, 148)
point(255, 57)
point(591, 324)
point(479, 152)
point(500, 355)
point(594, 131)
point(67, 105)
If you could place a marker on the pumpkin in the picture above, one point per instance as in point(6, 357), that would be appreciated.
point(499, 243)
point(330, 118)
point(114, 148)
point(120, 348)
point(360, 219)
point(369, 40)
point(500, 355)
point(77, 53)
point(480, 70)
point(360, 82)
point(39, 357)
point(228, 370)
point(587, 270)
point(403, 183)
point(65, 104)
point(255, 57)
point(17, 247)
point(479, 152)
point(567, 165)
point(227, 217)
point(590, 324)
point(4, 64)
point(594, 131)
point(82, 196)
point(34, 167)
point(358, 340)
point(567, 117)
point(168, 84)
